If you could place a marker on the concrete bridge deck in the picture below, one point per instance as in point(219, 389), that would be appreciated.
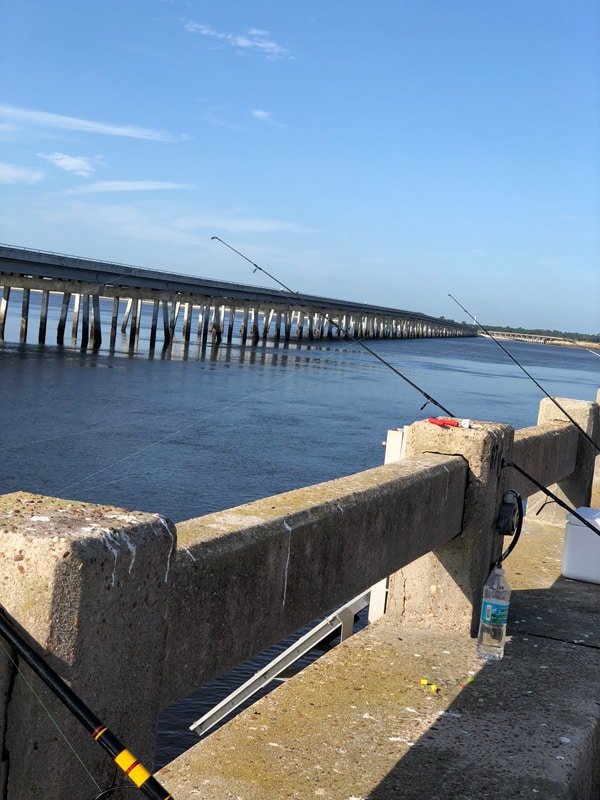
point(358, 725)
point(213, 306)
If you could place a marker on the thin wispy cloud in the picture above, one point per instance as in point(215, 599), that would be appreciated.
point(120, 221)
point(78, 165)
point(255, 40)
point(129, 186)
point(230, 224)
point(213, 119)
point(9, 173)
point(265, 117)
point(44, 119)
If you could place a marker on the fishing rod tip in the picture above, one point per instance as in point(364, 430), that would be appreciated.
point(214, 237)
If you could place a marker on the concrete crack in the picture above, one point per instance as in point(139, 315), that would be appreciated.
point(576, 642)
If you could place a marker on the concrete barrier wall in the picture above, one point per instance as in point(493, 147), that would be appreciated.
point(133, 622)
point(548, 452)
point(245, 578)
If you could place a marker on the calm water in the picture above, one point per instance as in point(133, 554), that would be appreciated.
point(188, 434)
point(185, 437)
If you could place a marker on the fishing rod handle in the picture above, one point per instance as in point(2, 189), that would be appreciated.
point(136, 772)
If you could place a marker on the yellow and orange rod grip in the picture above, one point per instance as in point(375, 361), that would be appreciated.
point(130, 766)
point(136, 772)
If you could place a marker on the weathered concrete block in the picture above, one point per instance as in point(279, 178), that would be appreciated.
point(443, 588)
point(576, 489)
point(547, 452)
point(88, 584)
point(246, 577)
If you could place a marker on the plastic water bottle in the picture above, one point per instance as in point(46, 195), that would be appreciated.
point(494, 616)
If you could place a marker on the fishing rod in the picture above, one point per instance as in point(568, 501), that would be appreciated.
point(552, 496)
point(345, 331)
point(129, 765)
point(428, 397)
point(529, 375)
point(126, 761)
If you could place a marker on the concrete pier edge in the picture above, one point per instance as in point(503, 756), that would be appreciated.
point(135, 614)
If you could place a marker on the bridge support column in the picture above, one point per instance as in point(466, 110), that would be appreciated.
point(126, 315)
point(166, 323)
point(187, 322)
point(114, 321)
point(300, 325)
point(96, 323)
point(255, 333)
point(176, 308)
point(62, 320)
point(244, 325)
point(154, 324)
point(205, 322)
point(24, 316)
point(230, 324)
point(43, 317)
point(75, 320)
point(135, 324)
point(278, 326)
point(217, 325)
point(85, 321)
point(3, 310)
point(267, 322)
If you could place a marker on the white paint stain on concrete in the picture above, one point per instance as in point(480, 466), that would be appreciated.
point(287, 562)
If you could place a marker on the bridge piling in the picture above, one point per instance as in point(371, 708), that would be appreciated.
point(317, 318)
point(230, 324)
point(96, 322)
point(43, 317)
point(24, 316)
point(205, 322)
point(3, 310)
point(255, 318)
point(166, 323)
point(85, 321)
point(113, 323)
point(187, 322)
point(62, 321)
point(154, 323)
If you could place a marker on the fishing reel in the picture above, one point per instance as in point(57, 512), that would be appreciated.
point(510, 514)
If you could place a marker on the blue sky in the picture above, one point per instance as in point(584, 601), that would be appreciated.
point(389, 152)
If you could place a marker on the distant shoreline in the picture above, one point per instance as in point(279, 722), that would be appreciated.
point(558, 342)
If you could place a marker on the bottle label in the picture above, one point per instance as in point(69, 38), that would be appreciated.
point(494, 612)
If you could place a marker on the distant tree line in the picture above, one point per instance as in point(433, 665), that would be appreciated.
point(579, 337)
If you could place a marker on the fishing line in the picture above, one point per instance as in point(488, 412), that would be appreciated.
point(123, 758)
point(47, 710)
point(552, 496)
point(345, 331)
point(180, 430)
point(529, 375)
point(430, 399)
point(98, 429)
point(81, 715)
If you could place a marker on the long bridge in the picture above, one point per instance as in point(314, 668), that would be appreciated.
point(216, 309)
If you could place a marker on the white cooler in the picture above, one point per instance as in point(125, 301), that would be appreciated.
point(581, 553)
